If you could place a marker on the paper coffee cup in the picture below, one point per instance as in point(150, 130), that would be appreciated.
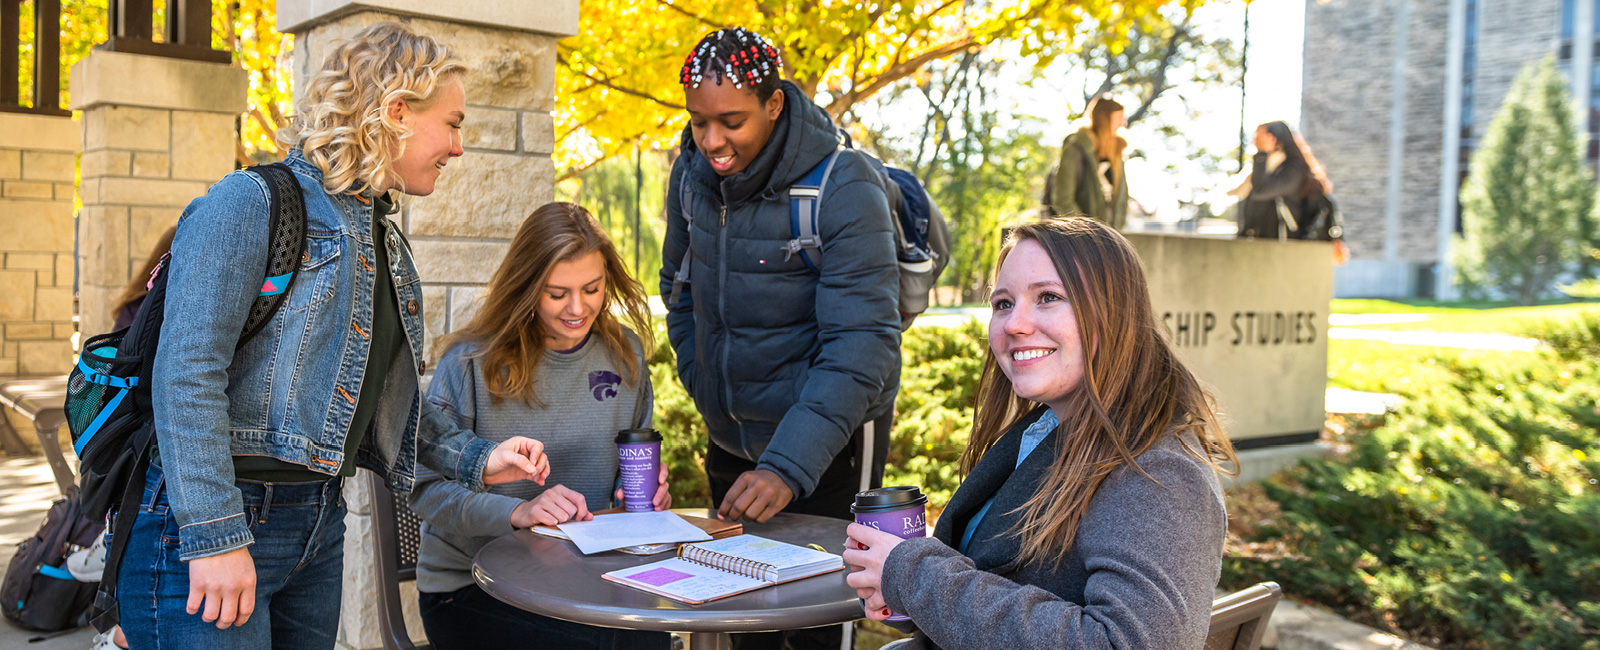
point(639, 461)
point(900, 511)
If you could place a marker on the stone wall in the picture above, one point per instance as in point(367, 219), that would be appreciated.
point(460, 233)
point(38, 164)
point(1348, 118)
point(156, 133)
point(1514, 33)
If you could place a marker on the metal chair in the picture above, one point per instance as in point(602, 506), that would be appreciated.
point(396, 534)
point(1239, 620)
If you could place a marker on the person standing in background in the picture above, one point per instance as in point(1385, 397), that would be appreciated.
point(1088, 180)
point(1283, 175)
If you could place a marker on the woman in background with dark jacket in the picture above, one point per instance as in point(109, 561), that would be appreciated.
point(1283, 175)
point(1090, 515)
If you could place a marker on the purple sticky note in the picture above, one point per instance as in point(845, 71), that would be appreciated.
point(658, 577)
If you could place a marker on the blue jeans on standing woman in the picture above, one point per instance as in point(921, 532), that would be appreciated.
point(299, 560)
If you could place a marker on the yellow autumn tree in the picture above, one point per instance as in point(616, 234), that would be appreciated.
point(246, 28)
point(617, 82)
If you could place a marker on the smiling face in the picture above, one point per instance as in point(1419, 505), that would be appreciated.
point(572, 299)
point(730, 125)
point(435, 138)
point(1033, 330)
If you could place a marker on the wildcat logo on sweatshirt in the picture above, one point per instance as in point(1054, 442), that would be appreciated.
point(603, 383)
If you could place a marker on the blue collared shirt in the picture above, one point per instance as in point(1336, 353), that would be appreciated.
point(1030, 439)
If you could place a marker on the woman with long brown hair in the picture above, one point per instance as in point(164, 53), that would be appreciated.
point(1088, 180)
point(1091, 514)
point(1284, 177)
point(558, 352)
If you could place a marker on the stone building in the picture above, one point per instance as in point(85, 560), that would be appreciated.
point(1397, 94)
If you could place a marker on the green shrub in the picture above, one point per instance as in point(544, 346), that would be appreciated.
point(939, 374)
point(1469, 519)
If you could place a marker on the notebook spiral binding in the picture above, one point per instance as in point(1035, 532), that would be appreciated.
point(741, 566)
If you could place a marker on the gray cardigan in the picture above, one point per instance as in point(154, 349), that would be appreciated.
point(1140, 574)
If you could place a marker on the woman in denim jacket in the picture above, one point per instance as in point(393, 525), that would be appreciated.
point(242, 510)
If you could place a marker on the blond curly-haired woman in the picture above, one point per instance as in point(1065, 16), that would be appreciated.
point(239, 540)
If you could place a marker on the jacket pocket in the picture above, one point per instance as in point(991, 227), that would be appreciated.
point(317, 267)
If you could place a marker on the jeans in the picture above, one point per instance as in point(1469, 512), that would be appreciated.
point(469, 618)
point(299, 562)
point(835, 492)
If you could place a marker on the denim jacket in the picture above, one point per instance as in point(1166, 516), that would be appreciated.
point(290, 392)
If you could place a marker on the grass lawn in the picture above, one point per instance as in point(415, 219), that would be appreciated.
point(1490, 318)
point(1379, 367)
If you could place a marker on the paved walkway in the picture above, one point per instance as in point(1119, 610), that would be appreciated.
point(26, 491)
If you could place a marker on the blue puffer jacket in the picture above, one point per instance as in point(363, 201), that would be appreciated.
point(783, 363)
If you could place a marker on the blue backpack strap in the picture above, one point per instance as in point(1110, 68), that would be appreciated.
point(682, 276)
point(805, 195)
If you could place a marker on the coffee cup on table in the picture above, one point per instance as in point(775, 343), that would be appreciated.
point(639, 461)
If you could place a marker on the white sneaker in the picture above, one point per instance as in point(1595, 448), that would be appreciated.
point(103, 641)
point(87, 564)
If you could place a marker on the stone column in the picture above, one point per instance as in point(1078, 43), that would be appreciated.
point(38, 161)
point(460, 233)
point(156, 133)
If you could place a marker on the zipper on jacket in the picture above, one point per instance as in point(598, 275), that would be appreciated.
point(722, 315)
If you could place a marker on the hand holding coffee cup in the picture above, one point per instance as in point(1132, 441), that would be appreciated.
point(884, 517)
point(865, 550)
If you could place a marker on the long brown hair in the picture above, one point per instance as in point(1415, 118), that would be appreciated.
point(137, 285)
point(507, 329)
point(1108, 145)
point(1297, 152)
point(1135, 391)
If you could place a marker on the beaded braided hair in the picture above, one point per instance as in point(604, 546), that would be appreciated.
point(737, 55)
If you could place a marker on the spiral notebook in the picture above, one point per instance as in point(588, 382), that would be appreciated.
point(706, 571)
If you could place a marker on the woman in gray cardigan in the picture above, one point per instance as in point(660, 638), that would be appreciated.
point(1090, 516)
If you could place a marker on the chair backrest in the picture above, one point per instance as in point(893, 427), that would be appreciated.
point(396, 533)
point(1239, 620)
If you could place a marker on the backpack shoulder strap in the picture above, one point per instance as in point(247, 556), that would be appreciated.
point(805, 197)
point(682, 276)
point(286, 218)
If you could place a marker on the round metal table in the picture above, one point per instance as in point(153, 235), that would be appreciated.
point(551, 577)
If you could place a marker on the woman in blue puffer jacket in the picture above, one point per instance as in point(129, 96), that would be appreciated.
point(794, 371)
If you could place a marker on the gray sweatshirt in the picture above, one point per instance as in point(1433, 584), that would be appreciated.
point(1140, 574)
point(586, 403)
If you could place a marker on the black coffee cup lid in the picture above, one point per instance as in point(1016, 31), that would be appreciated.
point(885, 499)
point(637, 436)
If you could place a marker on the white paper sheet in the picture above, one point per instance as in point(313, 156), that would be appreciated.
point(609, 532)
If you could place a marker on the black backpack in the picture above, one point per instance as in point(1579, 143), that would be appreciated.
point(1320, 219)
point(108, 393)
point(38, 592)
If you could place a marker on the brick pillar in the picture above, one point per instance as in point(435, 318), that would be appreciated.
point(156, 133)
point(38, 161)
point(460, 233)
